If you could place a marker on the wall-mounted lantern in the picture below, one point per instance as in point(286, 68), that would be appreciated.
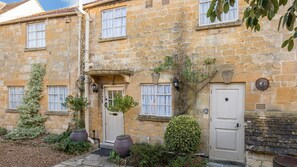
point(227, 76)
point(94, 87)
point(175, 83)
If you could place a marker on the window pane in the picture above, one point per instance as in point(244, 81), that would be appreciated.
point(232, 15)
point(156, 100)
point(57, 96)
point(114, 23)
point(15, 97)
point(35, 33)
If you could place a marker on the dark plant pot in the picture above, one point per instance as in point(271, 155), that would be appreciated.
point(79, 135)
point(122, 145)
point(284, 161)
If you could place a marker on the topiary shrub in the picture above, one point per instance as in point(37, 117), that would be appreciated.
point(31, 123)
point(3, 131)
point(182, 134)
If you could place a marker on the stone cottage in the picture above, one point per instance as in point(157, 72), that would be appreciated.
point(115, 45)
point(50, 38)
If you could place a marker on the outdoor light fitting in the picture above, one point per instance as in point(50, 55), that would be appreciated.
point(176, 83)
point(94, 87)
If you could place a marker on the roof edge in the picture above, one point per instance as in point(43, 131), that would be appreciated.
point(3, 3)
point(98, 3)
point(39, 5)
point(38, 18)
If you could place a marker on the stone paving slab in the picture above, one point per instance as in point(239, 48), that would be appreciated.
point(90, 160)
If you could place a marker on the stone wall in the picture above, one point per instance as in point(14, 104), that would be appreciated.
point(59, 56)
point(153, 33)
point(271, 132)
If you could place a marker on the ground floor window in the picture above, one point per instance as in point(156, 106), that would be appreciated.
point(57, 96)
point(15, 97)
point(156, 100)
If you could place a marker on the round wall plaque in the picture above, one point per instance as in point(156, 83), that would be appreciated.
point(262, 84)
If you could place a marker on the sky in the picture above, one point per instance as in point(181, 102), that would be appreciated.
point(53, 4)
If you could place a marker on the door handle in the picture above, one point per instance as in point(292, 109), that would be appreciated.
point(237, 125)
point(113, 114)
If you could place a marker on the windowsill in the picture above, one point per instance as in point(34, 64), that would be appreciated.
point(34, 49)
point(153, 118)
point(219, 25)
point(12, 111)
point(101, 40)
point(57, 113)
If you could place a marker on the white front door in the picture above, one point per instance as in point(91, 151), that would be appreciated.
point(113, 121)
point(227, 122)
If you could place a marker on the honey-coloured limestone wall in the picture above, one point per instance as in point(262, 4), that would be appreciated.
point(154, 32)
point(59, 57)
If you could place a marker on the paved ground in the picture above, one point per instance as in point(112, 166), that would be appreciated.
point(89, 160)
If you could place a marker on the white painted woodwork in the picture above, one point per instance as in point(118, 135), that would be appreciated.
point(26, 9)
point(114, 121)
point(227, 110)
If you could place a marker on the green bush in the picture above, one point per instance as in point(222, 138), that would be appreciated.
point(63, 143)
point(55, 138)
point(182, 134)
point(3, 131)
point(146, 155)
point(114, 157)
point(188, 161)
point(25, 133)
point(72, 147)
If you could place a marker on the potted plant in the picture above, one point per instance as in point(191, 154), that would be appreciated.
point(168, 62)
point(77, 104)
point(123, 104)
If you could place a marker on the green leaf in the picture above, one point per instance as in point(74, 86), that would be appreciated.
point(279, 23)
point(211, 8)
point(285, 43)
point(226, 7)
point(290, 22)
point(291, 45)
point(257, 27)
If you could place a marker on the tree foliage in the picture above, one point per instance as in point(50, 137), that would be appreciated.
point(31, 123)
point(258, 9)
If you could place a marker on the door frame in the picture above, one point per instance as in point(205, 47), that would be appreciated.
point(104, 113)
point(243, 87)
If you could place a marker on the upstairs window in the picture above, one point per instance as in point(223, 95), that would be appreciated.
point(156, 100)
point(36, 35)
point(114, 23)
point(204, 5)
point(56, 96)
point(15, 97)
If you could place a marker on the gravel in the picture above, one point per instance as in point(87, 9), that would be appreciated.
point(29, 153)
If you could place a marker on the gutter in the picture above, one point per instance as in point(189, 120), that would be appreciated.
point(87, 65)
point(98, 3)
point(38, 18)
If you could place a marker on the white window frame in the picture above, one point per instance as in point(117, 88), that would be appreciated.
point(15, 95)
point(113, 27)
point(36, 36)
point(155, 105)
point(235, 8)
point(61, 96)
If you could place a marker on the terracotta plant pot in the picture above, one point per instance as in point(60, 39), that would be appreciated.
point(79, 135)
point(122, 145)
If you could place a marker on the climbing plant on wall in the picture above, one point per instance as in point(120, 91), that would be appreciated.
point(31, 123)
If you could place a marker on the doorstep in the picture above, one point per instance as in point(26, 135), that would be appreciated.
point(107, 145)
